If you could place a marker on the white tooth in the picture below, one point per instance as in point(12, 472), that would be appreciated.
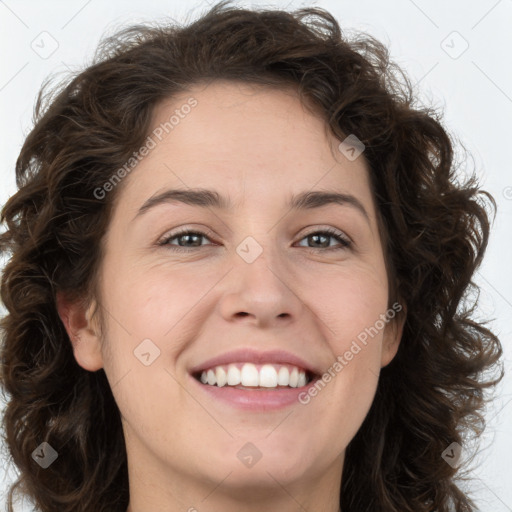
point(268, 376)
point(204, 377)
point(220, 373)
point(233, 375)
point(294, 378)
point(249, 375)
point(211, 378)
point(302, 379)
point(283, 377)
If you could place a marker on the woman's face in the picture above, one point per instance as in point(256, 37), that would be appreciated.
point(257, 291)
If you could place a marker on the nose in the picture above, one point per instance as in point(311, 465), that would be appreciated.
point(261, 293)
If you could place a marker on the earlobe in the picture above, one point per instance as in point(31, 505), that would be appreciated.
point(83, 333)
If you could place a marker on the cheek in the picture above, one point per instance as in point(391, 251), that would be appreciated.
point(349, 302)
point(151, 301)
point(351, 323)
point(140, 346)
point(350, 305)
point(152, 315)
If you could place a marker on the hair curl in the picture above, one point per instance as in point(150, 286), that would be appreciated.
point(434, 226)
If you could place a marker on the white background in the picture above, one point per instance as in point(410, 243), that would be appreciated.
point(473, 87)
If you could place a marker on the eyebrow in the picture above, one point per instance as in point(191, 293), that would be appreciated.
point(205, 198)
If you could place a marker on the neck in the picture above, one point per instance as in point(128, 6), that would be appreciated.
point(168, 491)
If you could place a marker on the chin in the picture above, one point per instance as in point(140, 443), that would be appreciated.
point(248, 468)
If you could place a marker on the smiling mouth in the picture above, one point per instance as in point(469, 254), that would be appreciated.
point(252, 377)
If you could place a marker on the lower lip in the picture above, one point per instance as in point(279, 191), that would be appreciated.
point(257, 399)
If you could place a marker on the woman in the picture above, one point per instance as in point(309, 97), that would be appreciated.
point(240, 263)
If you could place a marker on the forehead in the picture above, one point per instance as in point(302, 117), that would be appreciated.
point(244, 119)
point(240, 138)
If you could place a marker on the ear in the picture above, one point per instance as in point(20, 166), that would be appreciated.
point(83, 333)
point(392, 337)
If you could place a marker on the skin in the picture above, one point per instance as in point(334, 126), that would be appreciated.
point(257, 146)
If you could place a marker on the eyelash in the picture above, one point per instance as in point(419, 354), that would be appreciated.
point(344, 241)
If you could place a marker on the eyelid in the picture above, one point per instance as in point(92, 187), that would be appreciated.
point(207, 233)
point(184, 230)
point(329, 230)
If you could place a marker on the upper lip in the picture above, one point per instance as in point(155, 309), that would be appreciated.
point(248, 355)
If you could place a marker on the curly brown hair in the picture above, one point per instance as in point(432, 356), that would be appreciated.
point(435, 228)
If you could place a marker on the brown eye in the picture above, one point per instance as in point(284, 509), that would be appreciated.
point(320, 240)
point(186, 239)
